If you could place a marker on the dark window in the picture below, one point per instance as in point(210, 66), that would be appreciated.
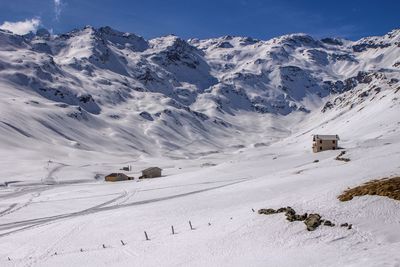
point(333, 141)
point(320, 141)
point(333, 148)
point(320, 148)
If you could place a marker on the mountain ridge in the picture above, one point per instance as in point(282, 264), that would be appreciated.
point(167, 92)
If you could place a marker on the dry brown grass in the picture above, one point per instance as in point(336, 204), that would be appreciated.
point(387, 187)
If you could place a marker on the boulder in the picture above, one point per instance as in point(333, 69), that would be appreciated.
point(289, 211)
point(328, 223)
point(313, 221)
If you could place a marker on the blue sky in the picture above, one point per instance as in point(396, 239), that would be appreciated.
point(261, 19)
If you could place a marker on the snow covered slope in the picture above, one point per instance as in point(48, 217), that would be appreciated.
point(104, 90)
point(93, 223)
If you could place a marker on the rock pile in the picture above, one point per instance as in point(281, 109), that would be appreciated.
point(339, 157)
point(290, 213)
point(312, 221)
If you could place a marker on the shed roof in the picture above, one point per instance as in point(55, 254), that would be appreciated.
point(326, 137)
point(151, 168)
point(115, 174)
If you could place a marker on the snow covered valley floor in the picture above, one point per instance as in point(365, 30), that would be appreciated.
point(67, 223)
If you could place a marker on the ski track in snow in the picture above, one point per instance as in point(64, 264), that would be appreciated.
point(27, 224)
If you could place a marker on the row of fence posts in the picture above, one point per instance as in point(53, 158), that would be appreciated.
point(145, 235)
point(172, 231)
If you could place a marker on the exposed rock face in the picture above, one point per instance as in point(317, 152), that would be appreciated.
point(332, 41)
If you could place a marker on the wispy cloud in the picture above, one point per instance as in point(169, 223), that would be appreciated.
point(21, 27)
point(57, 8)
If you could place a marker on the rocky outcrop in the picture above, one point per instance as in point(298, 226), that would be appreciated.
point(312, 221)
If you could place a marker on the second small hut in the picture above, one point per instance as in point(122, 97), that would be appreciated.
point(151, 172)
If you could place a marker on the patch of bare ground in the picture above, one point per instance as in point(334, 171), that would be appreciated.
point(387, 187)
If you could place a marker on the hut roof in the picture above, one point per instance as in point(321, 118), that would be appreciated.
point(326, 137)
point(115, 174)
point(151, 168)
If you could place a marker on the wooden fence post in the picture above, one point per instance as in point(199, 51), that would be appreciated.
point(147, 237)
point(172, 229)
point(191, 227)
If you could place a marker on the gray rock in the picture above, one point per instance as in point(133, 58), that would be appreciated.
point(313, 221)
point(296, 217)
point(266, 211)
point(290, 211)
point(281, 210)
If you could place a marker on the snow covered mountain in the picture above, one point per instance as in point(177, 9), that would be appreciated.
point(101, 89)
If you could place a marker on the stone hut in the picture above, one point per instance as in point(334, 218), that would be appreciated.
point(115, 177)
point(151, 172)
point(324, 142)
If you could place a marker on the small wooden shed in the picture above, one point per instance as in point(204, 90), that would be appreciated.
point(115, 177)
point(324, 142)
point(151, 172)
